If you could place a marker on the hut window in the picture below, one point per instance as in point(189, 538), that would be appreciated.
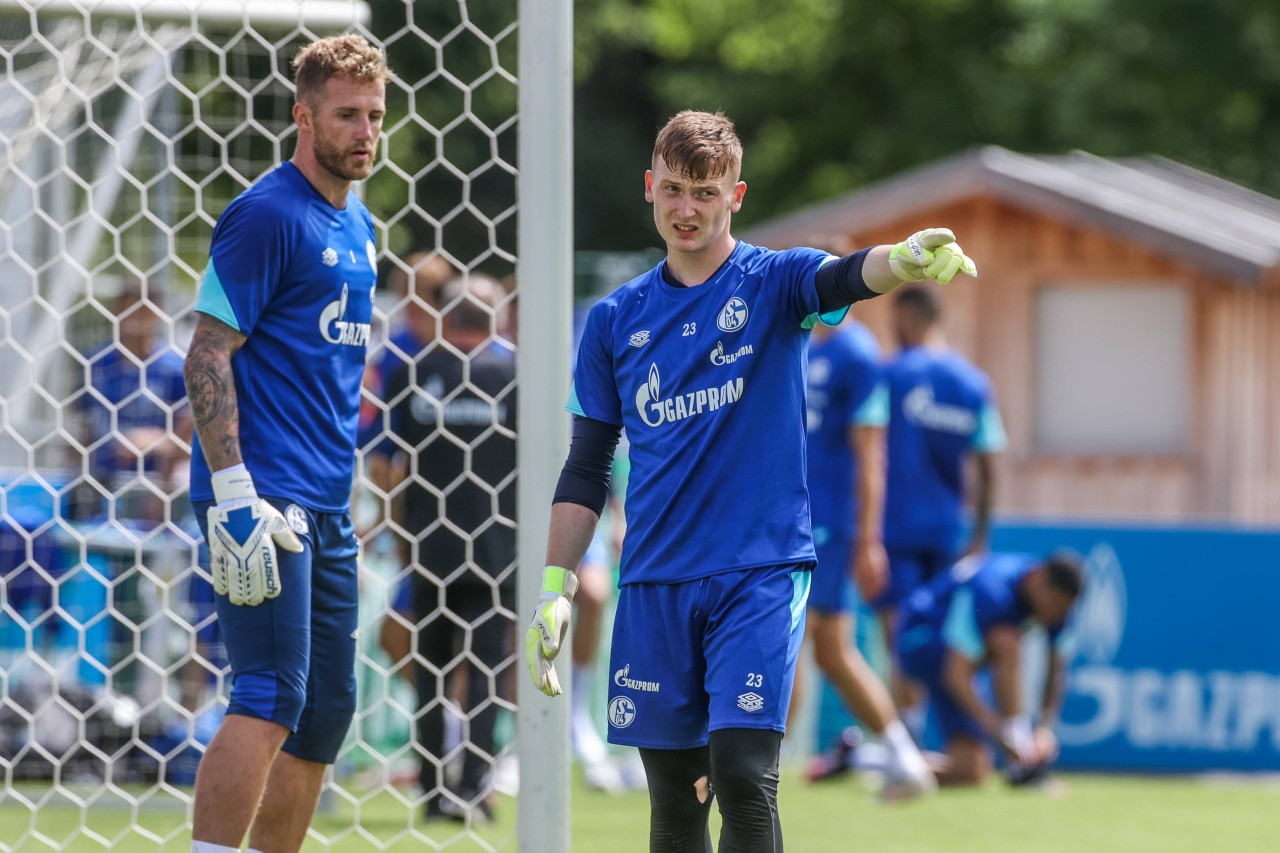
point(1113, 369)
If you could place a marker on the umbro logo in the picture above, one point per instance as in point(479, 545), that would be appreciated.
point(751, 702)
point(639, 339)
point(329, 258)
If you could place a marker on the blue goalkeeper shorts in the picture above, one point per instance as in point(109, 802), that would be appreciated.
point(293, 657)
point(713, 653)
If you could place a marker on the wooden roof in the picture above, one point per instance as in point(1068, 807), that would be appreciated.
point(1183, 212)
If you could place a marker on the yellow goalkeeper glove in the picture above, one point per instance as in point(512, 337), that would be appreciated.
point(931, 253)
point(546, 635)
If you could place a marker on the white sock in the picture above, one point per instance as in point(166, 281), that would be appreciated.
point(581, 681)
point(587, 743)
point(210, 847)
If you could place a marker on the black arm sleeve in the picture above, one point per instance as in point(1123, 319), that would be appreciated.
point(839, 283)
point(586, 475)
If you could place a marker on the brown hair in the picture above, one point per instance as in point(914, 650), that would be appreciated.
point(427, 272)
point(472, 304)
point(348, 55)
point(699, 146)
point(920, 300)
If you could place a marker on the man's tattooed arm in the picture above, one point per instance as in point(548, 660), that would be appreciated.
point(212, 391)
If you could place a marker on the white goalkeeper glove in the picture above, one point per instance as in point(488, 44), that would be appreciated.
point(931, 253)
point(545, 636)
point(244, 531)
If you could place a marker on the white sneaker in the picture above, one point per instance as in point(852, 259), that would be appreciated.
point(506, 773)
point(632, 768)
point(906, 779)
point(603, 776)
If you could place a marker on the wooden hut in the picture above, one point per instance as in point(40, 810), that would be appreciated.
point(1128, 312)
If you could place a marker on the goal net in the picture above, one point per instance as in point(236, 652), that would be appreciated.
point(126, 128)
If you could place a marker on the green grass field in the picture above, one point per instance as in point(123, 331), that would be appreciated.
point(1092, 813)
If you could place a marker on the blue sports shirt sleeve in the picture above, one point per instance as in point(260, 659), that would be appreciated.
point(797, 269)
point(960, 631)
point(874, 410)
point(251, 248)
point(595, 391)
point(990, 436)
point(869, 396)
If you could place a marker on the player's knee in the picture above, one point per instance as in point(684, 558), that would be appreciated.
point(679, 805)
point(744, 773)
point(969, 762)
point(330, 720)
point(829, 657)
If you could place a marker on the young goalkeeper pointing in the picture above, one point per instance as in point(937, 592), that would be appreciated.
point(701, 360)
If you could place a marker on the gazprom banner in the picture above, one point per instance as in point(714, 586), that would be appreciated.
point(1178, 656)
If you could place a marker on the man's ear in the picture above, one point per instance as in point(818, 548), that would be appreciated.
point(302, 115)
point(648, 185)
point(739, 190)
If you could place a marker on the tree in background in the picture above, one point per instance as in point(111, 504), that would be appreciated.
point(832, 94)
point(828, 95)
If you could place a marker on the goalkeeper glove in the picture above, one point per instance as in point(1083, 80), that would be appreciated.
point(545, 636)
point(931, 253)
point(244, 531)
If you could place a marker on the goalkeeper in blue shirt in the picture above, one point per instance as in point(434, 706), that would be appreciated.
point(702, 361)
point(273, 374)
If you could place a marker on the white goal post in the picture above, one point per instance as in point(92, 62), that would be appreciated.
point(126, 126)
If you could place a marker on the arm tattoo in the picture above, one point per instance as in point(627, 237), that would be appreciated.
point(211, 390)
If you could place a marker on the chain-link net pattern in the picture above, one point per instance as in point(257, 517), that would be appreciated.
point(124, 137)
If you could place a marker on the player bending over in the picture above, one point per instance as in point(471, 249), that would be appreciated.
point(972, 618)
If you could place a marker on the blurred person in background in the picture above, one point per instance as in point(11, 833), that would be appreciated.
point(274, 372)
point(972, 617)
point(942, 418)
point(453, 412)
point(701, 359)
point(136, 422)
point(416, 327)
point(847, 414)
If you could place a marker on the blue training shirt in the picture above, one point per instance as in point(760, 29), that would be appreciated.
point(844, 391)
point(296, 276)
point(708, 382)
point(941, 409)
point(957, 608)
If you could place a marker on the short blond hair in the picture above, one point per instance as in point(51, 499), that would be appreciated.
point(349, 55)
point(699, 145)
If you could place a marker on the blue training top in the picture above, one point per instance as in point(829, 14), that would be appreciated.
point(957, 608)
point(844, 391)
point(941, 409)
point(296, 276)
point(708, 382)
